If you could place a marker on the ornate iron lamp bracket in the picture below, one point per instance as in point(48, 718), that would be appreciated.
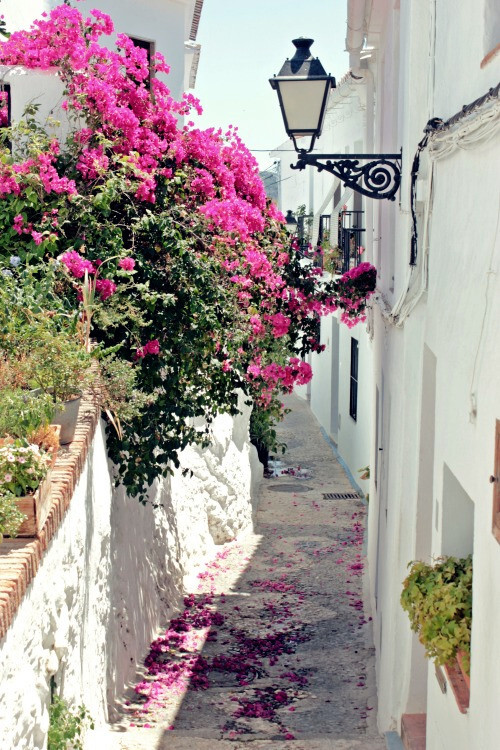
point(378, 178)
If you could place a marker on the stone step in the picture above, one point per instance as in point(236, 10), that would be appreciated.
point(158, 738)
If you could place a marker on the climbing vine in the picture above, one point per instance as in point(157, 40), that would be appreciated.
point(159, 239)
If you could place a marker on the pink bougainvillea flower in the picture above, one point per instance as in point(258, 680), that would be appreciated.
point(152, 347)
point(128, 264)
point(105, 288)
point(76, 265)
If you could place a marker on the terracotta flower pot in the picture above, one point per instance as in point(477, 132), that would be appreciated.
point(460, 658)
point(35, 507)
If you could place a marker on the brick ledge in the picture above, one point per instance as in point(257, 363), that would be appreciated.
point(21, 558)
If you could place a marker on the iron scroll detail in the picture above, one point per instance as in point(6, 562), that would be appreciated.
point(378, 177)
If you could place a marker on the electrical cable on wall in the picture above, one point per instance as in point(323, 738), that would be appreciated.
point(475, 124)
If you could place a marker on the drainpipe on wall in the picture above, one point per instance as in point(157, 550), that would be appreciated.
point(356, 29)
point(357, 13)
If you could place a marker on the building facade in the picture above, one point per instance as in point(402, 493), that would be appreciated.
point(436, 361)
point(166, 26)
point(428, 360)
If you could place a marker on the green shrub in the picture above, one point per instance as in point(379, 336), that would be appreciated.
point(438, 601)
point(23, 413)
point(67, 726)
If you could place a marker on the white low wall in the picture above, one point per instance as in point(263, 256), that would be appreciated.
point(112, 573)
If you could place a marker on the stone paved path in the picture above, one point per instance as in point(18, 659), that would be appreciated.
point(278, 648)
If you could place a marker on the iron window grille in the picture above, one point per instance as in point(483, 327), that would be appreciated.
point(6, 88)
point(150, 50)
point(304, 223)
point(323, 240)
point(350, 234)
point(353, 389)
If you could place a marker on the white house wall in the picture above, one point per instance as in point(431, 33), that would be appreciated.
point(438, 369)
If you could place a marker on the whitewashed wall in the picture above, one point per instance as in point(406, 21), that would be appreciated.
point(115, 571)
point(437, 374)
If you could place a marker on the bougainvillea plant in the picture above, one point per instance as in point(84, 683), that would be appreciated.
point(164, 241)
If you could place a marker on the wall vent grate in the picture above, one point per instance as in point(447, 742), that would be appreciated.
point(340, 496)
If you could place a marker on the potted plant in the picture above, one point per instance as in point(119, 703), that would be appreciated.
point(438, 601)
point(263, 434)
point(23, 467)
point(28, 415)
point(42, 348)
point(61, 367)
point(11, 517)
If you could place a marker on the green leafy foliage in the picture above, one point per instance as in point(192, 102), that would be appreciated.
point(11, 517)
point(438, 601)
point(39, 337)
point(263, 428)
point(23, 413)
point(155, 240)
point(22, 467)
point(67, 726)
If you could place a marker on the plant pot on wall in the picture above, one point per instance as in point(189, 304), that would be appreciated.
point(36, 507)
point(67, 418)
point(463, 659)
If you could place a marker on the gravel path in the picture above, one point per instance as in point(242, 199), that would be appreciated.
point(273, 649)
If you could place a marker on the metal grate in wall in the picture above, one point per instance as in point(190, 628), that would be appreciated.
point(340, 496)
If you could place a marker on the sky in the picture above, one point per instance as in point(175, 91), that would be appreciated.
point(243, 44)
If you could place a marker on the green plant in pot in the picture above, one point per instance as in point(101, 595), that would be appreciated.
point(62, 368)
point(23, 413)
point(438, 601)
point(23, 466)
point(11, 517)
point(263, 433)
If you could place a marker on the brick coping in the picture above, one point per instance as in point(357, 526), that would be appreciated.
point(21, 558)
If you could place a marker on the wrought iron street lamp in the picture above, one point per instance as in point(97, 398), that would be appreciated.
point(303, 87)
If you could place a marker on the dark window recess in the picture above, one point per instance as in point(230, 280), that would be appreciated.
point(353, 390)
point(6, 103)
point(323, 240)
point(350, 238)
point(495, 480)
point(304, 224)
point(150, 49)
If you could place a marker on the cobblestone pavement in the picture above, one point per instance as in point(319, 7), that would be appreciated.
point(274, 649)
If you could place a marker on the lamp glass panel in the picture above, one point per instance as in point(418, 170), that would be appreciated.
point(302, 102)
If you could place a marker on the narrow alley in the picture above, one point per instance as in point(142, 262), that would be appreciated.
point(274, 646)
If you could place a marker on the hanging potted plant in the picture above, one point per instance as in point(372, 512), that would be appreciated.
point(438, 601)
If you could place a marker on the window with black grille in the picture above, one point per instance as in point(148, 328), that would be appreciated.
point(150, 50)
point(350, 238)
point(353, 390)
point(6, 105)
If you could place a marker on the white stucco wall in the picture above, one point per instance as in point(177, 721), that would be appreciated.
point(438, 372)
point(112, 573)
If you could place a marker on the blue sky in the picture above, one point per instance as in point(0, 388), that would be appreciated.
point(244, 43)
